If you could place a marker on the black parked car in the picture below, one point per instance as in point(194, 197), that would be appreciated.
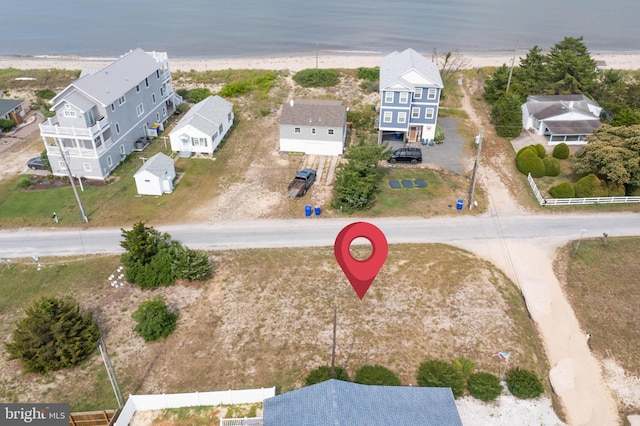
point(408, 155)
point(36, 164)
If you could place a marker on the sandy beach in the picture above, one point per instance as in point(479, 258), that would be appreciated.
point(294, 63)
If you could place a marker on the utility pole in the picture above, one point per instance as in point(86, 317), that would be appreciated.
point(73, 184)
point(478, 140)
point(513, 61)
point(333, 347)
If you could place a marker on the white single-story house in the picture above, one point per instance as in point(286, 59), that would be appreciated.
point(156, 175)
point(203, 127)
point(313, 126)
point(561, 118)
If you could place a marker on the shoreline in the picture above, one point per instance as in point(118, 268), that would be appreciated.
point(620, 60)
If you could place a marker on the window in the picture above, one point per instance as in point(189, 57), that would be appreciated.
point(402, 117)
point(158, 74)
point(388, 97)
point(153, 97)
point(162, 91)
point(404, 97)
point(137, 88)
point(329, 131)
point(415, 112)
point(313, 131)
point(117, 128)
point(157, 116)
point(388, 116)
point(113, 107)
point(87, 167)
point(69, 113)
point(199, 141)
point(122, 100)
point(140, 109)
point(164, 112)
point(296, 130)
point(62, 165)
point(121, 149)
point(428, 113)
point(221, 129)
point(109, 161)
point(215, 136)
point(146, 82)
point(418, 93)
point(431, 94)
point(229, 117)
point(90, 118)
point(98, 141)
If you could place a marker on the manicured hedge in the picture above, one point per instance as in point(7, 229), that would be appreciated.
point(376, 375)
point(551, 166)
point(484, 386)
point(563, 190)
point(528, 162)
point(591, 186)
point(323, 373)
point(561, 151)
point(438, 373)
point(540, 150)
point(524, 383)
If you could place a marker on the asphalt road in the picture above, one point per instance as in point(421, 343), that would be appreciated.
point(312, 232)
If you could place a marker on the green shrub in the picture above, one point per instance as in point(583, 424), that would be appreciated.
point(369, 86)
point(465, 365)
point(437, 373)
point(323, 373)
point(439, 135)
point(616, 189)
point(154, 320)
point(376, 375)
point(561, 151)
point(236, 88)
point(562, 190)
point(188, 264)
point(484, 386)
point(45, 93)
point(197, 95)
point(369, 74)
point(591, 186)
point(55, 334)
point(540, 150)
point(528, 148)
point(317, 78)
point(23, 182)
point(6, 125)
point(551, 166)
point(528, 162)
point(182, 92)
point(524, 383)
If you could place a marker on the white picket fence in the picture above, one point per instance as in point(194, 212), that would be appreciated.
point(194, 399)
point(247, 421)
point(577, 201)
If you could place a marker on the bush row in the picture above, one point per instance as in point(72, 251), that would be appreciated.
point(458, 375)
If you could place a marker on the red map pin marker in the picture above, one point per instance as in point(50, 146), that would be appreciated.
point(361, 273)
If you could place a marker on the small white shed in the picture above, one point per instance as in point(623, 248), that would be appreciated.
point(156, 176)
point(203, 127)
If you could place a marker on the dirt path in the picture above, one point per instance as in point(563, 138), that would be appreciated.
point(19, 145)
point(576, 375)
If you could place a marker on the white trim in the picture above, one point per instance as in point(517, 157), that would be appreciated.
point(402, 117)
point(389, 97)
point(403, 98)
point(432, 93)
point(415, 112)
point(429, 113)
point(387, 117)
point(87, 167)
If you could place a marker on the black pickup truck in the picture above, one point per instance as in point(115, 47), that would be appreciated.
point(301, 183)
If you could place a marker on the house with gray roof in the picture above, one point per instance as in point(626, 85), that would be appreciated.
point(100, 117)
point(203, 127)
point(561, 118)
point(335, 402)
point(313, 126)
point(410, 88)
point(12, 109)
point(156, 175)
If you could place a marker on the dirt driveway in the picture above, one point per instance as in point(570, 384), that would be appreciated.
point(17, 146)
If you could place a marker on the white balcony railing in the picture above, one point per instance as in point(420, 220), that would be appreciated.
point(73, 152)
point(51, 127)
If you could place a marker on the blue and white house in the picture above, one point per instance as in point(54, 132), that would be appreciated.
point(410, 88)
point(103, 116)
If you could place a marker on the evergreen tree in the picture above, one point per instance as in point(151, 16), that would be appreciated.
point(496, 86)
point(571, 68)
point(533, 74)
point(507, 116)
point(55, 334)
point(142, 243)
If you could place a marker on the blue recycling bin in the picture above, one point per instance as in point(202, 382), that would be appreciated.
point(307, 210)
point(459, 205)
point(317, 210)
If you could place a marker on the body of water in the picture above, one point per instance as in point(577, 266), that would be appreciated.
point(243, 28)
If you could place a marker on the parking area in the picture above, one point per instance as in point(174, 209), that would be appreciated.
point(451, 155)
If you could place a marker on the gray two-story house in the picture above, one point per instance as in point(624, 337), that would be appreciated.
point(410, 87)
point(103, 116)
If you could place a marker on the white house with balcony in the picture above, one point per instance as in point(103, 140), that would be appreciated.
point(100, 116)
point(410, 88)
